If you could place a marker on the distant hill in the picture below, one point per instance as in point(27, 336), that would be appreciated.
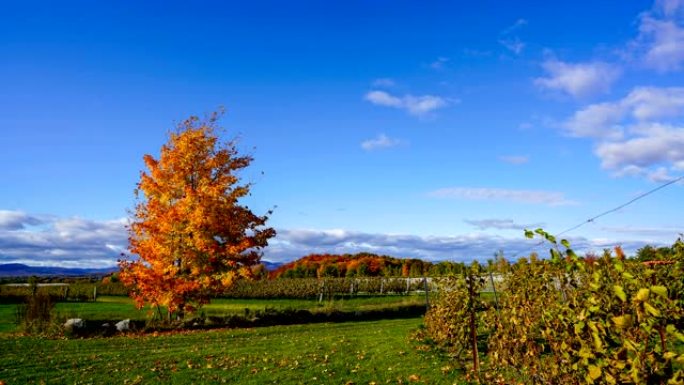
point(21, 270)
point(270, 266)
point(361, 265)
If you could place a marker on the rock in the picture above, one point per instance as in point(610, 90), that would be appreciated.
point(73, 324)
point(107, 329)
point(123, 326)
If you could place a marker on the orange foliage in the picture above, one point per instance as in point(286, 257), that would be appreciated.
point(405, 270)
point(192, 237)
point(361, 264)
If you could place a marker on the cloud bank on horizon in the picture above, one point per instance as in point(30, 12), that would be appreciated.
point(77, 242)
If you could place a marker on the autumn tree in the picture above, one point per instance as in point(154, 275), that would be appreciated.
point(192, 237)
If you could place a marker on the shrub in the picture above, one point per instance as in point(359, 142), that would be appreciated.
point(452, 322)
point(567, 321)
point(571, 320)
point(36, 314)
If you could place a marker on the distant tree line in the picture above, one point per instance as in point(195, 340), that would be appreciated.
point(652, 253)
point(363, 265)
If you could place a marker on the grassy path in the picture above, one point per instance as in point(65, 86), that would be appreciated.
point(356, 352)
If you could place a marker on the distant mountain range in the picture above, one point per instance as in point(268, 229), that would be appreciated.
point(21, 270)
point(272, 265)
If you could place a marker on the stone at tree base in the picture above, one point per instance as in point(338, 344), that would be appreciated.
point(73, 324)
point(123, 326)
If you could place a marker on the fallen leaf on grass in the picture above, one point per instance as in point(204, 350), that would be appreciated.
point(413, 378)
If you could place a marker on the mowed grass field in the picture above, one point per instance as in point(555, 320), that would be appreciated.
point(119, 308)
point(341, 353)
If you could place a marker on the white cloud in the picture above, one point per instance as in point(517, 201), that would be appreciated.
point(642, 104)
point(550, 198)
point(63, 241)
point(633, 135)
point(515, 159)
point(439, 64)
point(647, 103)
point(662, 145)
point(16, 220)
point(384, 82)
point(660, 175)
point(513, 44)
point(382, 98)
point(663, 42)
point(421, 105)
point(510, 41)
point(501, 224)
point(664, 232)
point(381, 141)
point(77, 242)
point(578, 79)
point(669, 8)
point(414, 105)
point(659, 44)
point(294, 243)
point(596, 121)
point(515, 26)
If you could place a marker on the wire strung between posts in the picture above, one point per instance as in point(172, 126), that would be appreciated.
point(622, 205)
point(592, 219)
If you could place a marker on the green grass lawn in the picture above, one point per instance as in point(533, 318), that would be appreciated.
point(7, 318)
point(354, 352)
point(105, 308)
point(233, 306)
point(118, 308)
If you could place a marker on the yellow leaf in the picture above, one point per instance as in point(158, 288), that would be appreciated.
point(594, 372)
point(598, 344)
point(660, 290)
point(642, 295)
point(653, 311)
point(622, 321)
point(620, 292)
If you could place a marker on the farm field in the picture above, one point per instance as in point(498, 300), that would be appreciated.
point(341, 353)
point(119, 307)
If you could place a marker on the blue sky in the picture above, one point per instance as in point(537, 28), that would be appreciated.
point(435, 130)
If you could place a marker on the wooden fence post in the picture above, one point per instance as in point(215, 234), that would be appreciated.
point(473, 325)
point(496, 298)
point(427, 293)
